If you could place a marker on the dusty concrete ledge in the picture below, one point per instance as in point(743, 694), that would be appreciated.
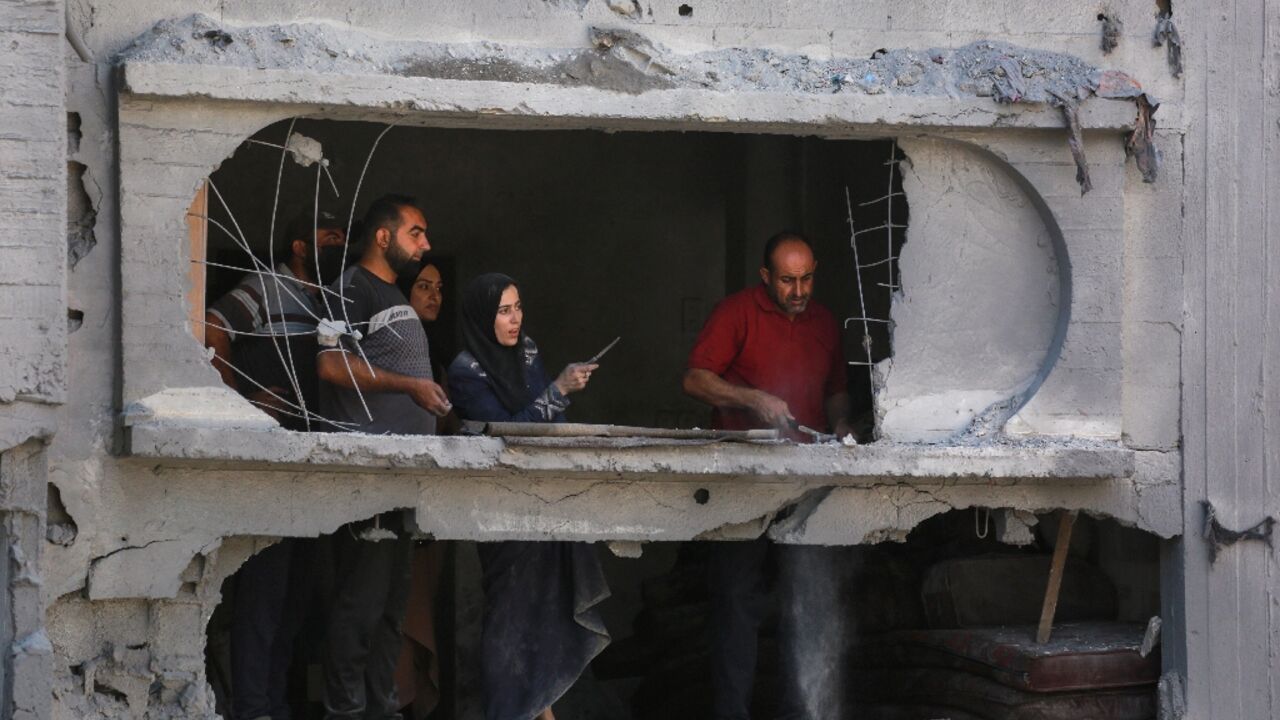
point(615, 73)
point(183, 444)
point(542, 105)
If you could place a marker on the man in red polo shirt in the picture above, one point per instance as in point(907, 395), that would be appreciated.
point(768, 357)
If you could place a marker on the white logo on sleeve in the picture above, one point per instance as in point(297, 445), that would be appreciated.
point(393, 314)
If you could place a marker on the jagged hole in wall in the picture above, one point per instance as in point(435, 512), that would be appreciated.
point(631, 234)
point(858, 623)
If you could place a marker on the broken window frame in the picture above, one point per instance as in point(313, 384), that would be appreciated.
point(181, 414)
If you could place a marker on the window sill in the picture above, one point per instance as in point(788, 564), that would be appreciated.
point(186, 440)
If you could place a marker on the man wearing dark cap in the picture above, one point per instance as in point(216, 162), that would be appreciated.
point(767, 357)
point(263, 335)
point(263, 332)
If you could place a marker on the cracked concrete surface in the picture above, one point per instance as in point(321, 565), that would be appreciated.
point(127, 596)
point(981, 303)
point(623, 60)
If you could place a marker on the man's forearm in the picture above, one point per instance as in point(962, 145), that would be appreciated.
point(343, 369)
point(714, 390)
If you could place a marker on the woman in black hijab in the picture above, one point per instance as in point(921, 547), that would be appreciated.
point(541, 625)
point(424, 289)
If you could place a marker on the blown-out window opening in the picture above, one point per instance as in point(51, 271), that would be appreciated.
point(633, 235)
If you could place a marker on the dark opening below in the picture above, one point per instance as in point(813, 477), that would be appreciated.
point(884, 632)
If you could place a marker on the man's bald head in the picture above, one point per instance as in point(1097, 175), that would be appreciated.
point(786, 237)
point(788, 270)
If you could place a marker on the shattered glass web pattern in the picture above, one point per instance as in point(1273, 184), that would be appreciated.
point(281, 289)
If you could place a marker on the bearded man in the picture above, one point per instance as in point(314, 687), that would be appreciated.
point(248, 328)
point(398, 395)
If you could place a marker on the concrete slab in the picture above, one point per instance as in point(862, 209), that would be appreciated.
point(430, 101)
point(181, 445)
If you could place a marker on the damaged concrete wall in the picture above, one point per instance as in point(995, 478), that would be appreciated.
point(32, 204)
point(26, 656)
point(145, 542)
point(33, 333)
point(981, 302)
point(1230, 347)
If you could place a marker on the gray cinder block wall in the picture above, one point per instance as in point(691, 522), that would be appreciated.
point(1161, 385)
point(33, 333)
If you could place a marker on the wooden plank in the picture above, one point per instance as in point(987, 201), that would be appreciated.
point(198, 242)
point(1066, 521)
point(570, 430)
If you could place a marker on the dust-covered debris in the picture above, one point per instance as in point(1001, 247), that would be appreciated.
point(1151, 638)
point(1171, 696)
point(218, 39)
point(1112, 28)
point(81, 216)
point(577, 5)
point(1167, 35)
point(626, 8)
point(1015, 527)
point(625, 61)
point(626, 548)
point(305, 151)
point(968, 70)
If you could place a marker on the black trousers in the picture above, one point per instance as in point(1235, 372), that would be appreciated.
point(739, 577)
point(364, 629)
point(270, 603)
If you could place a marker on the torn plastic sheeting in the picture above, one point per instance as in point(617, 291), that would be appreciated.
point(1113, 84)
point(1167, 35)
point(1070, 108)
point(1140, 144)
point(1008, 86)
point(1006, 73)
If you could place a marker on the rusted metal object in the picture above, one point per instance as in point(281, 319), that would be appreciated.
point(1220, 537)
